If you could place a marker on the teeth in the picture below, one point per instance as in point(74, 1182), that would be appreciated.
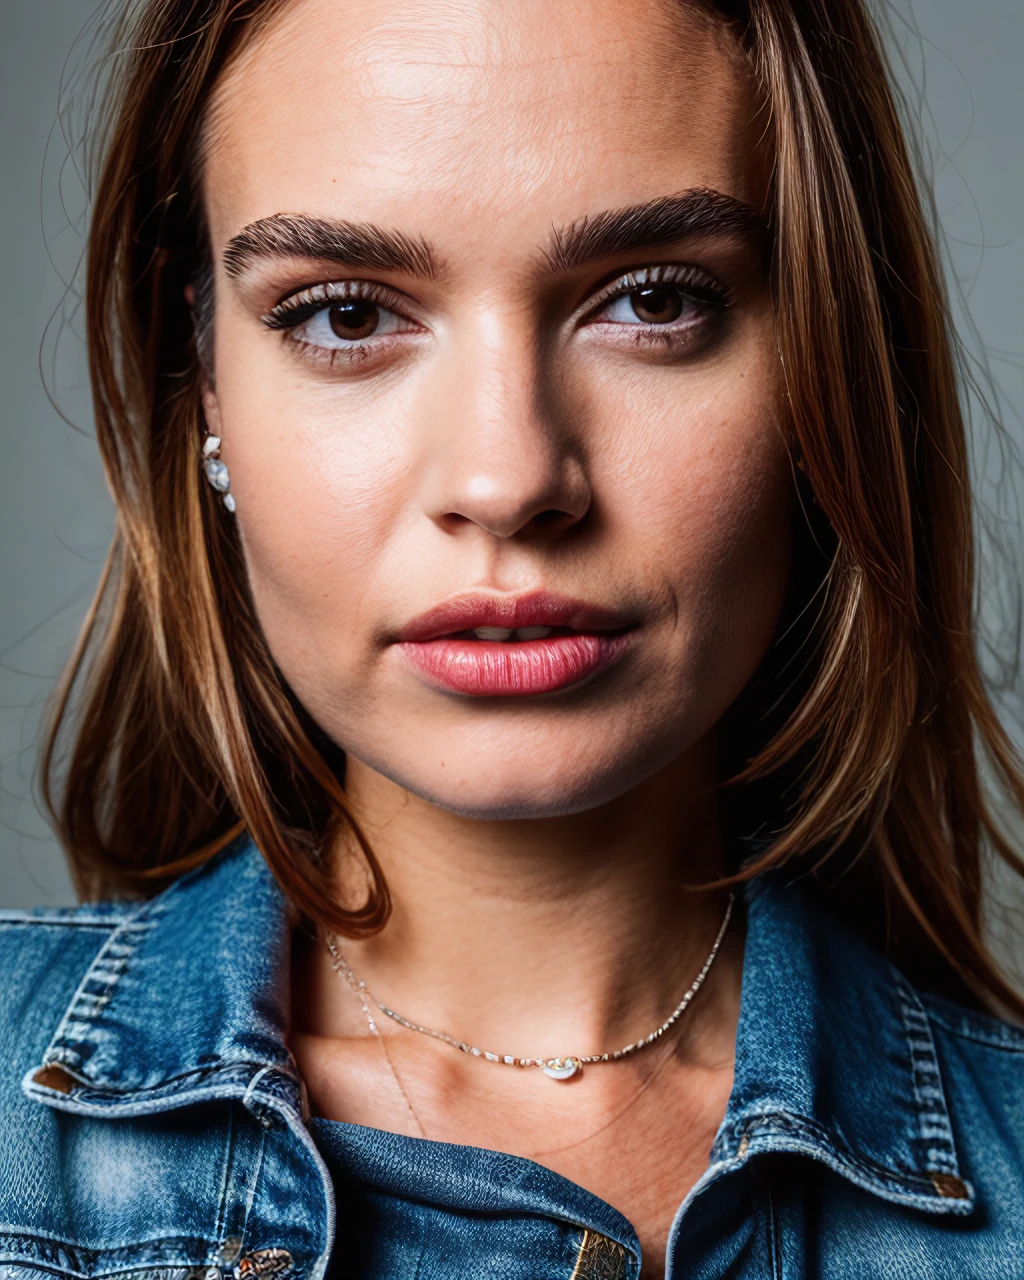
point(506, 633)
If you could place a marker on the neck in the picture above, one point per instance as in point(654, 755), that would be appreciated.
point(574, 934)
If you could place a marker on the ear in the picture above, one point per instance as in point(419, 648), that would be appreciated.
point(211, 410)
point(190, 295)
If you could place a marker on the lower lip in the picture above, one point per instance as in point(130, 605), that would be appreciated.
point(488, 669)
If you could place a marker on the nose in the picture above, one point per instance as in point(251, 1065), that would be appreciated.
point(502, 455)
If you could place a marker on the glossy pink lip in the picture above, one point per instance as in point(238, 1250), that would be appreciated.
point(436, 644)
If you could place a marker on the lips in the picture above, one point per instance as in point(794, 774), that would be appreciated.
point(514, 646)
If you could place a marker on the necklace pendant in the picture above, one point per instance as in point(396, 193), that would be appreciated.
point(561, 1068)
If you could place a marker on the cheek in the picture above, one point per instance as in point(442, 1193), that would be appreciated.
point(702, 484)
point(320, 489)
point(699, 500)
point(729, 517)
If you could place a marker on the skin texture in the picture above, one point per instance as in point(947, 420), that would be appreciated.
point(506, 440)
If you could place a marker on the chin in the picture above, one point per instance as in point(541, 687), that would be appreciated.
point(527, 784)
point(530, 800)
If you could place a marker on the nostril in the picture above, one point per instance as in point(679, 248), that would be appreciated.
point(544, 519)
point(511, 524)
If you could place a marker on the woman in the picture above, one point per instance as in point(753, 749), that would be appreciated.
point(530, 725)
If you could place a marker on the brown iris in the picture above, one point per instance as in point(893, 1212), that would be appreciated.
point(657, 303)
point(354, 318)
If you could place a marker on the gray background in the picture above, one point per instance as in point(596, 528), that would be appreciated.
point(961, 66)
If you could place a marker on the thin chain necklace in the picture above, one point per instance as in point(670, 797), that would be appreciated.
point(562, 1068)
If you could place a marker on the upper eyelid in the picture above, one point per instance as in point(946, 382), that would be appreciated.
point(324, 292)
point(681, 273)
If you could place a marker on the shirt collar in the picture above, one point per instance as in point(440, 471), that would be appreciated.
point(834, 1055)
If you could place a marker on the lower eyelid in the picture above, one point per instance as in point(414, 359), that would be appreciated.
point(687, 322)
point(682, 337)
point(683, 322)
point(396, 324)
point(350, 355)
point(696, 310)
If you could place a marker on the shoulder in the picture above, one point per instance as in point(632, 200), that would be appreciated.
point(89, 915)
point(61, 936)
point(59, 930)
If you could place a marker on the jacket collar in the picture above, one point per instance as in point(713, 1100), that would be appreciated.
point(188, 997)
point(835, 1059)
point(190, 989)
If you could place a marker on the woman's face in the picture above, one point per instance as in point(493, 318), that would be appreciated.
point(494, 349)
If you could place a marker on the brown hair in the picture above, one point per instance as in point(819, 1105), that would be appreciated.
point(859, 744)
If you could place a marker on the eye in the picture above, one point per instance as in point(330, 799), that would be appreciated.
point(344, 323)
point(342, 316)
point(653, 304)
point(660, 297)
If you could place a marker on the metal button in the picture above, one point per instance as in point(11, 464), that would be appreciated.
point(54, 1077)
point(599, 1259)
point(950, 1188)
point(263, 1264)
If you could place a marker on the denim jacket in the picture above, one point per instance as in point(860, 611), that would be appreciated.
point(153, 1126)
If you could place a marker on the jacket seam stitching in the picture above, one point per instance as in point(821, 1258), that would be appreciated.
point(86, 1006)
point(775, 1241)
point(82, 1259)
point(784, 1124)
point(220, 1226)
point(140, 1100)
point(1008, 1041)
point(250, 1198)
point(44, 922)
point(298, 1129)
point(895, 1189)
point(935, 1134)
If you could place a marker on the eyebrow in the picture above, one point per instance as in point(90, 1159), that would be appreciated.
point(695, 213)
point(691, 214)
point(354, 244)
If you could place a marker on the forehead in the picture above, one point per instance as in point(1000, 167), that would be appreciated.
point(497, 113)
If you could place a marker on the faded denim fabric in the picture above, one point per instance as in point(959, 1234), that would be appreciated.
point(152, 1125)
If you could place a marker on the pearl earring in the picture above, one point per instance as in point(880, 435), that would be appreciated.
point(216, 471)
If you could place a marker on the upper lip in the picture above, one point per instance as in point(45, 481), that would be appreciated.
point(538, 609)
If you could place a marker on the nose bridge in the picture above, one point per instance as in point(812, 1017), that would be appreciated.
point(502, 449)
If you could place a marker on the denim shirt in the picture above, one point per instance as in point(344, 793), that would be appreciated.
point(153, 1126)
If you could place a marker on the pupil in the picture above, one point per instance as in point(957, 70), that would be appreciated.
point(354, 318)
point(657, 303)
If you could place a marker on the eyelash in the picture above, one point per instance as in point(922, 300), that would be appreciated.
point(295, 310)
point(704, 302)
point(695, 284)
point(692, 282)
